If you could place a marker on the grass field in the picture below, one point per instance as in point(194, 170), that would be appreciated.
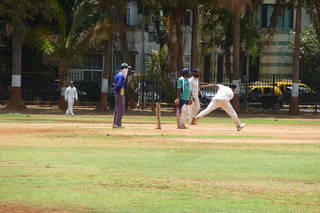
point(50, 163)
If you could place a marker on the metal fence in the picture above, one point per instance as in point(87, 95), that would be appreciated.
point(270, 92)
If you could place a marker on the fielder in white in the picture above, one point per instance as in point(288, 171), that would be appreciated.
point(194, 108)
point(222, 99)
point(70, 95)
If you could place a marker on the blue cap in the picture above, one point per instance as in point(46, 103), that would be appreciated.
point(184, 71)
point(195, 70)
point(125, 65)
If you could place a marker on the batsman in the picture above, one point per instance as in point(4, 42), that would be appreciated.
point(184, 99)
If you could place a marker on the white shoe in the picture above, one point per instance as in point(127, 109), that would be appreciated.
point(239, 127)
point(116, 126)
point(182, 126)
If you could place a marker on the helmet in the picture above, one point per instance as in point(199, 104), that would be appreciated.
point(195, 70)
point(184, 71)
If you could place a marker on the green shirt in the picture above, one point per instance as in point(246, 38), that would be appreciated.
point(184, 85)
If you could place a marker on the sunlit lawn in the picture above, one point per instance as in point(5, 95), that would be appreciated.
point(99, 173)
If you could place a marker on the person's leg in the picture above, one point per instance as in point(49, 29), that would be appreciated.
point(68, 112)
point(115, 113)
point(212, 106)
point(197, 107)
point(184, 114)
point(231, 112)
point(121, 109)
point(191, 112)
point(71, 106)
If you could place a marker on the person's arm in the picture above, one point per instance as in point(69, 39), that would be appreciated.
point(75, 90)
point(179, 86)
point(65, 94)
point(209, 86)
point(119, 83)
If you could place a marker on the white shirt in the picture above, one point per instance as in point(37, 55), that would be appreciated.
point(71, 93)
point(194, 84)
point(224, 92)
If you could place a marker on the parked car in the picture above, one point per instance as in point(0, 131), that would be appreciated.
point(267, 96)
point(306, 94)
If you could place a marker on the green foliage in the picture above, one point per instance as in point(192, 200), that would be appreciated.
point(219, 22)
point(310, 56)
point(160, 72)
point(70, 35)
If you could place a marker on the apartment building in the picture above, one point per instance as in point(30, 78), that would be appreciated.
point(276, 57)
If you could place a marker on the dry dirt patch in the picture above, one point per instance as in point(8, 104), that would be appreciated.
point(20, 209)
point(220, 132)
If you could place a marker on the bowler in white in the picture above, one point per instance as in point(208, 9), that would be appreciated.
point(222, 100)
point(70, 95)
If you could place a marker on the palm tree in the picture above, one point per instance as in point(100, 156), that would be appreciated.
point(70, 39)
point(18, 12)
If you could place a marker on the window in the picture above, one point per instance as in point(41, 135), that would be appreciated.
point(76, 75)
point(93, 61)
point(152, 37)
point(96, 77)
point(127, 17)
point(147, 62)
point(114, 14)
point(117, 60)
point(284, 21)
point(187, 18)
point(303, 89)
point(133, 60)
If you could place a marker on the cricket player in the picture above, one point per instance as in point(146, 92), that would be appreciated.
point(119, 95)
point(184, 97)
point(70, 95)
point(194, 108)
point(222, 99)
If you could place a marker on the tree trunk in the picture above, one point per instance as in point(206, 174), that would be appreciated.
point(63, 71)
point(107, 67)
point(195, 60)
point(179, 44)
point(294, 105)
point(236, 59)
point(103, 105)
point(123, 39)
point(175, 41)
point(228, 63)
point(16, 102)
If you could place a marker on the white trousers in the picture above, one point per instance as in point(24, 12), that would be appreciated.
point(194, 108)
point(225, 105)
point(70, 107)
point(184, 114)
